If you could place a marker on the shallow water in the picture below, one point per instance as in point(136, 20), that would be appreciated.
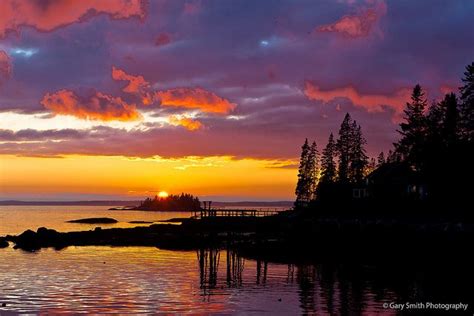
point(17, 219)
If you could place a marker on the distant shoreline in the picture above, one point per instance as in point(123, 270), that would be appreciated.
point(134, 203)
point(67, 203)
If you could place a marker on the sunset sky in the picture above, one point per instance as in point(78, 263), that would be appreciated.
point(122, 99)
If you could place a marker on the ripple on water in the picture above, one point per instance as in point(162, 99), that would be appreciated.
point(146, 280)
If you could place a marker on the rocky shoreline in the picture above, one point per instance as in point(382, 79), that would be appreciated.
point(279, 237)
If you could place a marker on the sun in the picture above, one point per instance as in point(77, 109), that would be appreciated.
point(163, 194)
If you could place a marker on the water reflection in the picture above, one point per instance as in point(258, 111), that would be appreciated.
point(210, 280)
point(320, 288)
point(208, 260)
point(262, 278)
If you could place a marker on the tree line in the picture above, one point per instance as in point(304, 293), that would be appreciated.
point(343, 161)
point(436, 142)
point(180, 202)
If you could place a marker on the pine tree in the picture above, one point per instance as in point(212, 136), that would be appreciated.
point(344, 149)
point(303, 187)
point(392, 157)
point(413, 130)
point(328, 165)
point(359, 159)
point(467, 104)
point(380, 159)
point(434, 120)
point(313, 169)
point(450, 120)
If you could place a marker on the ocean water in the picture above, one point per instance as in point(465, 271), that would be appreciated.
point(17, 219)
point(149, 280)
point(135, 280)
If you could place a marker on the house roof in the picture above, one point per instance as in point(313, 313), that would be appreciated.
point(394, 172)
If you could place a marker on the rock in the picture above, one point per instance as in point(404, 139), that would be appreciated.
point(3, 243)
point(45, 233)
point(94, 220)
point(27, 241)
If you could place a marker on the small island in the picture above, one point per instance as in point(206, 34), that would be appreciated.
point(183, 202)
point(94, 220)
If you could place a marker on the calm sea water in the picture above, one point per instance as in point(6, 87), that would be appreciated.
point(17, 219)
point(207, 281)
point(148, 280)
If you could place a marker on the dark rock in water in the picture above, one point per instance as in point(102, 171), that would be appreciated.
point(4, 304)
point(27, 241)
point(3, 243)
point(97, 229)
point(45, 233)
point(31, 241)
point(94, 220)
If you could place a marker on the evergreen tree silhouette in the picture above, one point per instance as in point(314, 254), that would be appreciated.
point(304, 186)
point(467, 104)
point(358, 156)
point(414, 129)
point(443, 121)
point(313, 169)
point(328, 165)
point(441, 147)
point(380, 159)
point(344, 149)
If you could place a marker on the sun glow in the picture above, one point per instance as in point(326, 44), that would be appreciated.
point(132, 178)
point(163, 194)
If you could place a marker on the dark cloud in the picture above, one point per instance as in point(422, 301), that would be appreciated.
point(35, 135)
point(359, 24)
point(49, 15)
point(255, 54)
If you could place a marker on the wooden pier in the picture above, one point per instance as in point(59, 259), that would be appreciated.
point(205, 213)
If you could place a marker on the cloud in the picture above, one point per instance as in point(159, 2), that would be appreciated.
point(370, 102)
point(283, 164)
point(186, 122)
point(136, 84)
point(35, 135)
point(99, 106)
point(195, 98)
point(162, 39)
point(190, 98)
point(356, 25)
point(49, 15)
point(5, 66)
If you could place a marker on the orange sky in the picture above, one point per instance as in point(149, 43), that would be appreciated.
point(130, 178)
point(88, 85)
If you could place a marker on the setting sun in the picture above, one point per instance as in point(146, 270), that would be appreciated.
point(163, 194)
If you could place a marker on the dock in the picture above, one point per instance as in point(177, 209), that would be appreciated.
point(234, 213)
point(208, 212)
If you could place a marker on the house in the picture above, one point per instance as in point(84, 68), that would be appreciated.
point(396, 181)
